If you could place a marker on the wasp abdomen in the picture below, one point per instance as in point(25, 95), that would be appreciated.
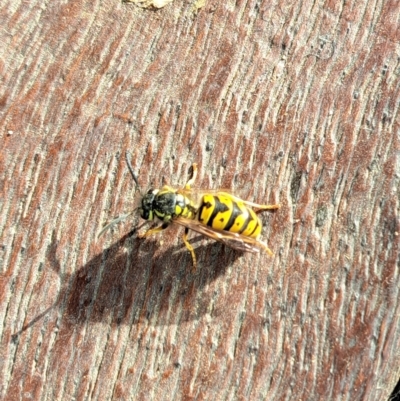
point(224, 213)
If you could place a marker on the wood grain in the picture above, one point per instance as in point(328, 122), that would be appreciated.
point(295, 102)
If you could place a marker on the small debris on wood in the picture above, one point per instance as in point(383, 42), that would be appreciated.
point(150, 3)
point(198, 4)
point(162, 3)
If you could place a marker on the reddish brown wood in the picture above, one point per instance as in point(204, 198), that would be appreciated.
point(294, 102)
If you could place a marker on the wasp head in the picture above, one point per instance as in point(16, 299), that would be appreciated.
point(146, 211)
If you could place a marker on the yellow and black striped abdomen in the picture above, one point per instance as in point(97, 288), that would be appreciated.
point(222, 212)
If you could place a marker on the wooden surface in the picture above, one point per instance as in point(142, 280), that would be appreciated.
point(295, 102)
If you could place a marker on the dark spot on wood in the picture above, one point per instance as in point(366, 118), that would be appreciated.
point(322, 214)
point(295, 186)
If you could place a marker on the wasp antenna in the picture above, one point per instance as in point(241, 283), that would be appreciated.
point(114, 222)
point(128, 162)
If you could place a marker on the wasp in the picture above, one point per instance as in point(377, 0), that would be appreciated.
point(216, 214)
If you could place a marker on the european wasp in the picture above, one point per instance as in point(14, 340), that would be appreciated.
point(215, 214)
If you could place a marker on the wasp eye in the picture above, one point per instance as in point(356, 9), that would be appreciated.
point(146, 211)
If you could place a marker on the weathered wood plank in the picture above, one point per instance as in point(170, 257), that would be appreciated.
point(290, 102)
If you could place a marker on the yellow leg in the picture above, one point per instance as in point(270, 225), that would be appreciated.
point(190, 248)
point(154, 230)
point(264, 207)
point(270, 253)
point(193, 177)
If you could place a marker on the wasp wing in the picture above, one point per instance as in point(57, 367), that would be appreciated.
point(196, 194)
point(233, 240)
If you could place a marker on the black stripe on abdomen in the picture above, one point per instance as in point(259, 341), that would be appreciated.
point(219, 207)
point(201, 208)
point(246, 223)
point(236, 212)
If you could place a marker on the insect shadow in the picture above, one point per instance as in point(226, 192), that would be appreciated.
point(132, 281)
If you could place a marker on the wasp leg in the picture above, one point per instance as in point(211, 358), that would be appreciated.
point(154, 230)
point(264, 207)
point(193, 177)
point(190, 248)
point(270, 253)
